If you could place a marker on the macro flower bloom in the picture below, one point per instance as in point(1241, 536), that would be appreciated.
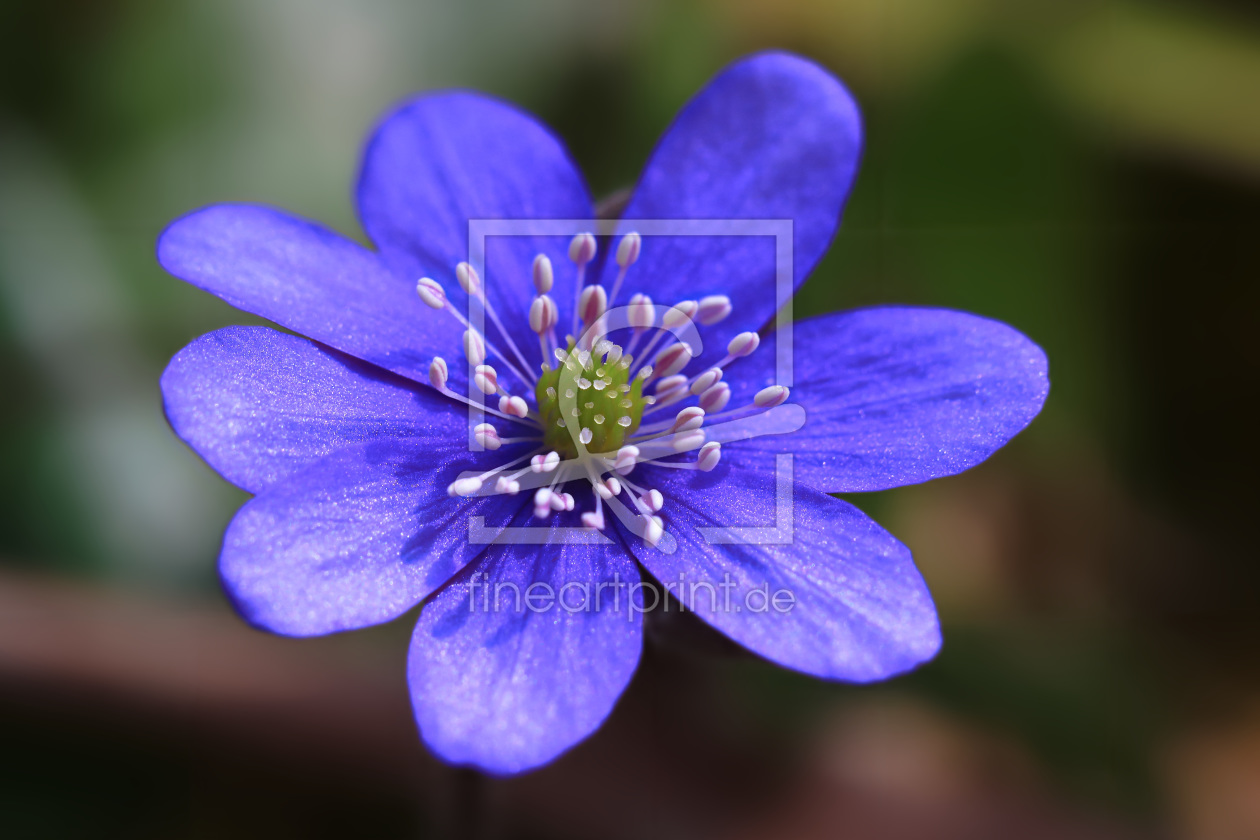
point(508, 441)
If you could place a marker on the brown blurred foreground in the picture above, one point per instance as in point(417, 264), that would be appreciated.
point(285, 733)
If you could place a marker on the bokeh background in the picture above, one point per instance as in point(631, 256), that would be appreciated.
point(1086, 171)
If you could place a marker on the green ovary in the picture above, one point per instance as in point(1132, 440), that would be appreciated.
point(589, 391)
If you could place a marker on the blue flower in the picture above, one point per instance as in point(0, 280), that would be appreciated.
point(376, 490)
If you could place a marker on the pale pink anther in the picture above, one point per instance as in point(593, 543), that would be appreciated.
point(543, 503)
point(770, 397)
point(713, 309)
point(743, 344)
point(593, 519)
point(513, 406)
point(486, 379)
point(653, 530)
point(691, 417)
point(507, 486)
point(543, 276)
point(669, 397)
point(468, 279)
point(542, 314)
point(705, 381)
point(582, 248)
point(628, 249)
point(669, 383)
point(686, 441)
point(627, 457)
point(709, 456)
point(592, 303)
point(654, 500)
point(474, 347)
point(438, 373)
point(487, 436)
point(464, 487)
point(431, 292)
point(672, 359)
point(715, 399)
point(642, 314)
point(679, 314)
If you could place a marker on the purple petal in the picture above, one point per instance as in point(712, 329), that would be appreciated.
point(356, 539)
point(859, 611)
point(310, 280)
point(898, 395)
point(258, 404)
point(509, 689)
point(774, 137)
point(444, 159)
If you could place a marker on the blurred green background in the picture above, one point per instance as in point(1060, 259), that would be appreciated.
point(1088, 172)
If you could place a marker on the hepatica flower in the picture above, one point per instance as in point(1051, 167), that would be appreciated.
point(508, 441)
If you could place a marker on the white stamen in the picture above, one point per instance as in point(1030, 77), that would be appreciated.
point(654, 500)
point(668, 398)
point(612, 485)
point(653, 530)
point(474, 347)
point(569, 503)
point(543, 276)
point(628, 249)
point(592, 303)
point(542, 314)
point(669, 383)
point(672, 359)
point(743, 344)
point(688, 419)
point(514, 406)
point(431, 292)
point(582, 248)
point(507, 485)
point(627, 457)
point(679, 314)
point(464, 487)
point(545, 463)
point(543, 502)
point(593, 519)
point(709, 456)
point(687, 441)
point(704, 381)
point(770, 397)
point(438, 373)
point(468, 279)
point(486, 379)
point(713, 309)
point(642, 313)
point(715, 399)
point(487, 436)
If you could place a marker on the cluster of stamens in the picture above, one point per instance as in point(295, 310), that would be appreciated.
point(592, 399)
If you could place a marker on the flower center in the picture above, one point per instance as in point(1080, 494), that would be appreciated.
point(605, 400)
